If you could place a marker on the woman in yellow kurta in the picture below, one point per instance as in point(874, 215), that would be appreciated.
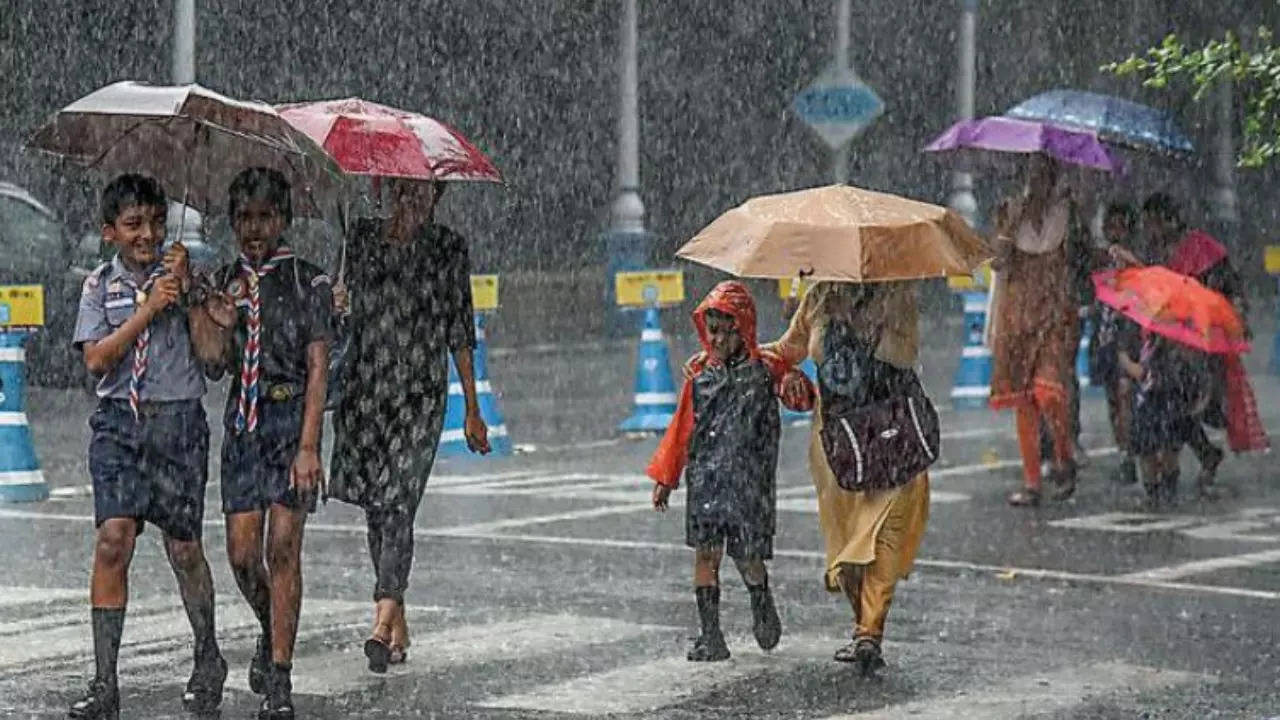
point(872, 536)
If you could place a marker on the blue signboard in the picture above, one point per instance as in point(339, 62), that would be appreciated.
point(838, 106)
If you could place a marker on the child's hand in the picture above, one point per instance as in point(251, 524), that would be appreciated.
point(164, 292)
point(222, 308)
point(796, 392)
point(341, 299)
point(176, 263)
point(307, 474)
point(697, 358)
point(661, 496)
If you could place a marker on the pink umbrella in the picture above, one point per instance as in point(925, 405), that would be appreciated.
point(366, 138)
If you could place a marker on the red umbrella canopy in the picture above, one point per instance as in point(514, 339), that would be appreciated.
point(366, 138)
point(1175, 306)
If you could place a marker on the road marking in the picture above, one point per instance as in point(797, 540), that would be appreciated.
point(1207, 565)
point(1036, 694)
point(569, 515)
point(339, 672)
point(1126, 522)
point(663, 682)
point(1242, 526)
point(488, 531)
point(12, 596)
point(70, 642)
point(1001, 570)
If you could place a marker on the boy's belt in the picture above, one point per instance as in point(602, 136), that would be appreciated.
point(281, 392)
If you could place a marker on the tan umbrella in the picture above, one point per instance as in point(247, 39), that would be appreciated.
point(838, 233)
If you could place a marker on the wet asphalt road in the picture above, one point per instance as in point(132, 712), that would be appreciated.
point(546, 588)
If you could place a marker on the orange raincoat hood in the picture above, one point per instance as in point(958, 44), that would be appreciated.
point(732, 298)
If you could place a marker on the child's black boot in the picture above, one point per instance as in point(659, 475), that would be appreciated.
point(765, 623)
point(278, 704)
point(102, 702)
point(710, 645)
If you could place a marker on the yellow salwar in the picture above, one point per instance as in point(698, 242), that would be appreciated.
point(871, 536)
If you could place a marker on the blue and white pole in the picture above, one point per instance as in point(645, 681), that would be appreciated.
point(20, 477)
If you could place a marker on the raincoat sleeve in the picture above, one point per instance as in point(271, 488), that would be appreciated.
point(673, 450)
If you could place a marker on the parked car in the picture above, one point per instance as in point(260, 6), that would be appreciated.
point(37, 249)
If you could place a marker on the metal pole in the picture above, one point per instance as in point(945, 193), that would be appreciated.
point(962, 199)
point(184, 42)
point(840, 156)
point(628, 209)
point(1225, 203)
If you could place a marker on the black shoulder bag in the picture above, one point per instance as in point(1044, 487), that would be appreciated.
point(879, 428)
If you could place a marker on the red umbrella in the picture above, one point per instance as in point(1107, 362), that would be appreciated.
point(371, 139)
point(1175, 306)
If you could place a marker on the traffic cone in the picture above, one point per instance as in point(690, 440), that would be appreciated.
point(453, 442)
point(792, 417)
point(972, 385)
point(1082, 356)
point(655, 389)
point(20, 477)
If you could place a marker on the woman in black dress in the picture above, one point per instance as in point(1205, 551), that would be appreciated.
point(410, 302)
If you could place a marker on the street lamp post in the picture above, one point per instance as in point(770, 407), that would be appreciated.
point(184, 42)
point(185, 223)
point(627, 241)
point(1226, 211)
point(962, 199)
point(840, 155)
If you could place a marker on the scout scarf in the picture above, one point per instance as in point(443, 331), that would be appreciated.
point(247, 409)
point(142, 342)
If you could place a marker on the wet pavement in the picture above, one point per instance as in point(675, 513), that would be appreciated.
point(545, 587)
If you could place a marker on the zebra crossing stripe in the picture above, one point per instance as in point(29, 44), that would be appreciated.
point(146, 632)
point(666, 681)
point(1035, 693)
point(334, 673)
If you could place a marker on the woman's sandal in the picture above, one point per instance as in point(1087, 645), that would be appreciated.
point(1026, 497)
point(1065, 481)
point(396, 654)
point(378, 650)
point(848, 653)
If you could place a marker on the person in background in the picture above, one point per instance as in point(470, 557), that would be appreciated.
point(1116, 335)
point(1035, 323)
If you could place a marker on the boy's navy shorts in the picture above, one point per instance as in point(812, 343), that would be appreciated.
point(153, 468)
point(255, 466)
point(740, 542)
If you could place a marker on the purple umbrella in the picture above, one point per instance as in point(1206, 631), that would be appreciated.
point(1008, 135)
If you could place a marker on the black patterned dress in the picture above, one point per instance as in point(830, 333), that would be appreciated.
point(409, 306)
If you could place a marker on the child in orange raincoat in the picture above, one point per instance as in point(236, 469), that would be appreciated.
point(724, 436)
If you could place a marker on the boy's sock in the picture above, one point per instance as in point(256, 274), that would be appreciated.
point(765, 625)
point(108, 627)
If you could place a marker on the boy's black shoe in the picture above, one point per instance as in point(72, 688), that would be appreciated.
point(278, 704)
point(204, 689)
point(710, 646)
point(260, 665)
point(867, 655)
point(102, 702)
point(765, 623)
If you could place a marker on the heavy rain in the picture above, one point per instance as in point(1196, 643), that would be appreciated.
point(639, 358)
